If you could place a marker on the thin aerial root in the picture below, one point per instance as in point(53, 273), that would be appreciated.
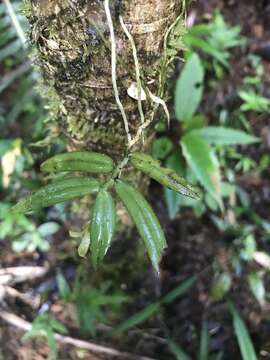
point(137, 68)
point(113, 68)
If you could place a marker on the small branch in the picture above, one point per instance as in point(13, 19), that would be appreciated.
point(98, 349)
point(16, 23)
point(113, 67)
point(137, 68)
point(6, 291)
point(20, 274)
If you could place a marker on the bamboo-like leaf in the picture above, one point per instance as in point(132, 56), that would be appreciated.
point(165, 176)
point(79, 161)
point(57, 192)
point(102, 226)
point(145, 220)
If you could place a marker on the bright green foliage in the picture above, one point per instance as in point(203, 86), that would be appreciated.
point(203, 163)
point(45, 325)
point(243, 337)
point(145, 220)
point(35, 238)
point(164, 176)
point(215, 39)
point(25, 234)
point(102, 226)
point(84, 161)
point(57, 192)
point(254, 102)
point(219, 135)
point(189, 88)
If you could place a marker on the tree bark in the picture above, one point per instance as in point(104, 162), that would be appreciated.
point(74, 53)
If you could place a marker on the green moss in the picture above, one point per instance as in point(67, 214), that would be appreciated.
point(26, 8)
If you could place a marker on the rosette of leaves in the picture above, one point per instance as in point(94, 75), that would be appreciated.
point(99, 235)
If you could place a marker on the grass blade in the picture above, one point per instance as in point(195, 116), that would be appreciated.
point(243, 337)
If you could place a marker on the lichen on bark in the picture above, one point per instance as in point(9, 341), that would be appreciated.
point(73, 43)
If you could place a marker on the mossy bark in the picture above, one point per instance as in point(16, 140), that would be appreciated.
point(73, 43)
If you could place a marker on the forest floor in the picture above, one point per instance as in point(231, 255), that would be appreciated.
point(194, 245)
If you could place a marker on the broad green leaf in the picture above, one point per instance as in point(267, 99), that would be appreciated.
point(203, 162)
point(219, 135)
point(189, 89)
point(243, 337)
point(193, 41)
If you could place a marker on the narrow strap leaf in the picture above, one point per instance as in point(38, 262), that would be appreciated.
point(145, 220)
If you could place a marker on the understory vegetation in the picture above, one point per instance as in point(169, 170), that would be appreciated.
point(205, 296)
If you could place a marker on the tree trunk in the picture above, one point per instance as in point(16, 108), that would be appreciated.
point(74, 53)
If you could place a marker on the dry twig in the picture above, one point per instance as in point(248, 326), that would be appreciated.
point(97, 349)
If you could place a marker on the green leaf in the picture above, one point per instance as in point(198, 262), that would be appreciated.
point(63, 287)
point(221, 286)
point(136, 319)
point(179, 290)
point(204, 343)
point(257, 287)
point(84, 244)
point(48, 228)
point(243, 337)
point(195, 42)
point(203, 162)
point(161, 148)
point(172, 198)
point(59, 191)
point(147, 312)
point(189, 89)
point(145, 220)
point(102, 226)
point(173, 202)
point(219, 135)
point(166, 177)
point(177, 351)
